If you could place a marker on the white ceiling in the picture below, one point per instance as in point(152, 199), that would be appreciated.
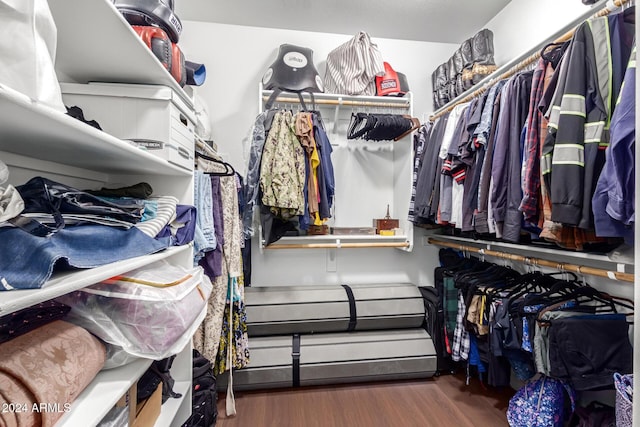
point(446, 21)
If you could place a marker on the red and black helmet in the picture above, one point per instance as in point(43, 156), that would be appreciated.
point(157, 13)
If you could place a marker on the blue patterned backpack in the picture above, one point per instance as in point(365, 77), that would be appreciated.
point(540, 403)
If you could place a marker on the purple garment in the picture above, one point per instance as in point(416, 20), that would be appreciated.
point(507, 160)
point(499, 167)
point(487, 138)
point(531, 178)
point(185, 214)
point(212, 261)
point(614, 198)
point(513, 218)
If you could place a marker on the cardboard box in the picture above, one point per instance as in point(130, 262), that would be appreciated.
point(148, 411)
point(129, 400)
point(152, 116)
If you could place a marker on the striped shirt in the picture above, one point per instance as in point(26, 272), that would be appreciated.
point(165, 214)
point(353, 66)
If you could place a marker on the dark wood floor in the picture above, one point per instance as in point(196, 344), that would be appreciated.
point(443, 401)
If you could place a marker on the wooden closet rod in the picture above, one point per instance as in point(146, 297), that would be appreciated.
point(580, 269)
point(339, 246)
point(338, 102)
point(522, 64)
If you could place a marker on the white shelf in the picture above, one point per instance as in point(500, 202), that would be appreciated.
point(533, 251)
point(105, 390)
point(96, 44)
point(171, 406)
point(66, 282)
point(338, 241)
point(40, 132)
point(362, 100)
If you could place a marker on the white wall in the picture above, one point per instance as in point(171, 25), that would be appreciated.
point(523, 24)
point(236, 58)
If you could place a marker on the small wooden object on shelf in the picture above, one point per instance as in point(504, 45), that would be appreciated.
point(386, 223)
point(318, 230)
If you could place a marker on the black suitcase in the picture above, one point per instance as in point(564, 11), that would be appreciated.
point(434, 325)
point(434, 311)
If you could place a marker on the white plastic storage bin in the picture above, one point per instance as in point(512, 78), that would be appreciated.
point(152, 116)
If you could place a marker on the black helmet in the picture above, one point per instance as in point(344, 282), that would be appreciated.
point(158, 13)
point(292, 71)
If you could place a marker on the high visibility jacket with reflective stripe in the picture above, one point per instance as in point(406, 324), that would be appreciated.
point(576, 127)
point(573, 153)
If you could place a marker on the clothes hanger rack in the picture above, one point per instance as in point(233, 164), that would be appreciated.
point(580, 269)
point(523, 64)
point(290, 100)
point(340, 245)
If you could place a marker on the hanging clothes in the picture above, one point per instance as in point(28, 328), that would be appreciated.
point(282, 171)
point(304, 132)
point(205, 234)
point(419, 141)
point(252, 176)
point(446, 181)
point(614, 198)
point(506, 166)
point(473, 157)
point(290, 174)
point(486, 131)
point(239, 346)
point(428, 181)
point(229, 253)
point(326, 178)
point(575, 146)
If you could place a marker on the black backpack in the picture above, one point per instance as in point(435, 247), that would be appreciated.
point(204, 397)
point(158, 372)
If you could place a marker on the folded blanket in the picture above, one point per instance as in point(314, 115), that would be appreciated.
point(50, 365)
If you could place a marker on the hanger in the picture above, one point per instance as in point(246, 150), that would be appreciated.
point(229, 170)
point(554, 55)
point(415, 124)
point(629, 15)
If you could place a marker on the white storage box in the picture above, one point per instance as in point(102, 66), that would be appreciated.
point(152, 116)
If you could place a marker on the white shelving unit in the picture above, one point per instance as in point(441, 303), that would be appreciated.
point(69, 141)
point(38, 141)
point(63, 283)
point(542, 252)
point(96, 44)
point(338, 241)
point(99, 397)
point(171, 406)
point(370, 175)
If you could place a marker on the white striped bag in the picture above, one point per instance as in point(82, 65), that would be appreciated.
point(353, 66)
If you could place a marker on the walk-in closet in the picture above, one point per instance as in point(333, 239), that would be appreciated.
point(318, 214)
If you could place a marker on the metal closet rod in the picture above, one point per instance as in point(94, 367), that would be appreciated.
point(339, 102)
point(580, 269)
point(340, 245)
point(522, 64)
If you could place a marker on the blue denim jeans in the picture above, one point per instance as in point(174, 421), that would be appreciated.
point(27, 261)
